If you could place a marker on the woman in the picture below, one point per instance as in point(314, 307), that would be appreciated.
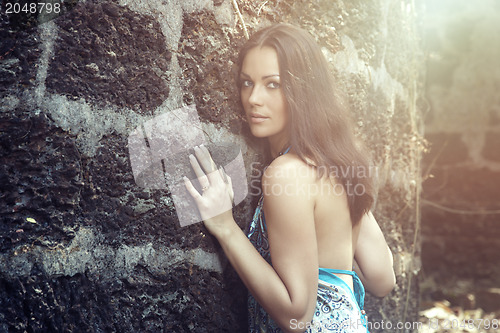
point(312, 223)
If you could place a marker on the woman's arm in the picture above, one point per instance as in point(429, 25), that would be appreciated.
point(373, 259)
point(287, 290)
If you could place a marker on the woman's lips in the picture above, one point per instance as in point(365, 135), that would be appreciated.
point(257, 118)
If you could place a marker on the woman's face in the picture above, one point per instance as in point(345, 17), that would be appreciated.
point(262, 97)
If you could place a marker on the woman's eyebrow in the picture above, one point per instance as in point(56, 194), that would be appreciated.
point(268, 76)
point(264, 77)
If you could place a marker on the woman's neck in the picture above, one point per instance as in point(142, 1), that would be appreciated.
point(277, 146)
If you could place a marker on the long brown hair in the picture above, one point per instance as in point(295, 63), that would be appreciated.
point(320, 127)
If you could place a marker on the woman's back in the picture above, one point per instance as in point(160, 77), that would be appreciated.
point(335, 233)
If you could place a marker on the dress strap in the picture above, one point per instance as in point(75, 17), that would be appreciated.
point(286, 151)
point(341, 271)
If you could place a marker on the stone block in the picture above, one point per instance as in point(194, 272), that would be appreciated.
point(110, 55)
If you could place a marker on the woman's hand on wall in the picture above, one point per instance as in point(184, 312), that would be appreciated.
point(215, 202)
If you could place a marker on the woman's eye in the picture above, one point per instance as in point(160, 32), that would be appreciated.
point(273, 85)
point(246, 83)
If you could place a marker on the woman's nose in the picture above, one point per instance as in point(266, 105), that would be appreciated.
point(255, 97)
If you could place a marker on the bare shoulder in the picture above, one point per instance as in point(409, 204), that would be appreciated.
point(289, 167)
point(289, 177)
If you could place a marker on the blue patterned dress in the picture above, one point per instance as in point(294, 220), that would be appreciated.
point(338, 308)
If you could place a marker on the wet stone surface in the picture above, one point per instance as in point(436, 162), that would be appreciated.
point(19, 51)
point(109, 54)
point(142, 303)
point(208, 57)
point(41, 181)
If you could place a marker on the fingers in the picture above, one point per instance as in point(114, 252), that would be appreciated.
point(206, 161)
point(228, 181)
point(191, 189)
point(230, 184)
point(207, 172)
point(202, 178)
point(222, 174)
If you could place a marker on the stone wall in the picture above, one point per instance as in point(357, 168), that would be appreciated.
point(82, 246)
point(461, 211)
